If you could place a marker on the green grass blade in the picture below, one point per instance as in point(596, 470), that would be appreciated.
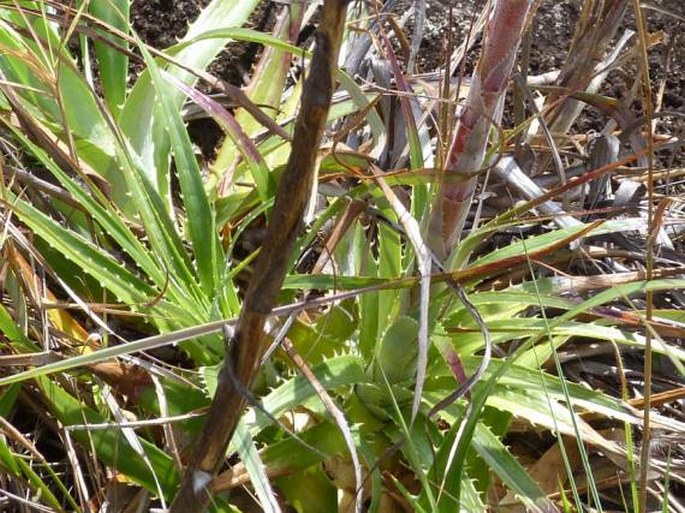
point(264, 181)
point(166, 243)
point(43, 490)
point(201, 226)
point(267, 84)
point(335, 372)
point(102, 211)
point(112, 62)
point(347, 82)
point(15, 464)
point(109, 445)
point(509, 470)
point(72, 110)
point(101, 266)
point(247, 451)
point(140, 118)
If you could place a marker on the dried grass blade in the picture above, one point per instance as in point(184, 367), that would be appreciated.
point(338, 417)
point(423, 255)
point(509, 170)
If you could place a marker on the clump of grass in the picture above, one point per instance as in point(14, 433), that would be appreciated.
point(369, 301)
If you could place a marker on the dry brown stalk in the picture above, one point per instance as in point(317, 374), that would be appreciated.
point(242, 360)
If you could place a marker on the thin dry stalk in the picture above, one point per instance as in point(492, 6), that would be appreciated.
point(244, 355)
point(653, 220)
point(598, 24)
point(338, 416)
